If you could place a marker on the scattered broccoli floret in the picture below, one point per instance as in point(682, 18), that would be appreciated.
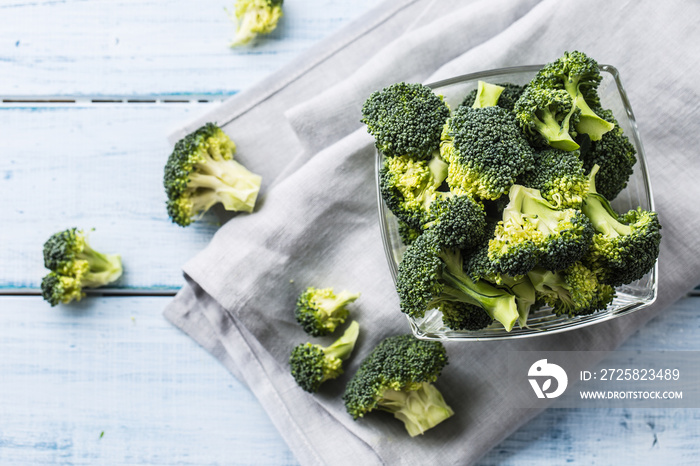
point(614, 154)
point(559, 176)
point(405, 119)
point(75, 265)
point(429, 275)
point(457, 221)
point(509, 94)
point(201, 172)
point(313, 364)
point(573, 291)
point(320, 310)
point(410, 186)
point(534, 232)
point(254, 17)
point(580, 76)
point(485, 151)
point(397, 377)
point(548, 117)
point(625, 247)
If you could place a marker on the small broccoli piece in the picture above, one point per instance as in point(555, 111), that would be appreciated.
point(548, 117)
point(614, 154)
point(509, 94)
point(320, 310)
point(397, 377)
point(254, 17)
point(407, 233)
point(573, 291)
point(201, 172)
point(410, 186)
point(57, 288)
point(429, 274)
point(579, 76)
point(457, 221)
point(559, 176)
point(485, 151)
point(405, 119)
point(464, 316)
point(625, 247)
point(313, 364)
point(75, 265)
point(534, 232)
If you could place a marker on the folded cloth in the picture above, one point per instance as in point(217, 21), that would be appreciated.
point(318, 224)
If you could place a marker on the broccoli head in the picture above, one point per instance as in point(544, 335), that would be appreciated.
point(459, 315)
point(625, 247)
point(457, 221)
point(485, 151)
point(534, 232)
point(405, 119)
point(201, 172)
point(559, 176)
point(579, 75)
point(548, 117)
point(313, 364)
point(409, 187)
point(573, 291)
point(429, 274)
point(397, 377)
point(320, 310)
point(614, 154)
point(57, 288)
point(254, 17)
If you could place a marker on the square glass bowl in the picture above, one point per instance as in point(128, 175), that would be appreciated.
point(630, 298)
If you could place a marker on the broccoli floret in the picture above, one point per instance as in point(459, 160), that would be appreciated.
point(429, 275)
point(201, 172)
point(320, 310)
point(409, 187)
point(509, 94)
point(457, 221)
point(534, 232)
point(485, 151)
point(573, 291)
point(548, 117)
point(614, 154)
point(625, 247)
point(397, 377)
point(57, 288)
point(407, 233)
point(559, 176)
point(580, 76)
point(405, 119)
point(254, 17)
point(464, 316)
point(75, 265)
point(312, 364)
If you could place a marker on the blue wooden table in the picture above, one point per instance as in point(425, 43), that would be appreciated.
point(108, 380)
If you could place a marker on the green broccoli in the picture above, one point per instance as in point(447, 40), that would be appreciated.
point(407, 233)
point(579, 75)
point(313, 364)
point(625, 247)
point(429, 274)
point(559, 176)
point(507, 97)
point(410, 186)
point(405, 119)
point(459, 315)
point(485, 151)
point(397, 377)
point(534, 232)
point(573, 291)
point(614, 154)
point(547, 117)
point(254, 17)
point(457, 221)
point(201, 172)
point(487, 95)
point(320, 310)
point(75, 265)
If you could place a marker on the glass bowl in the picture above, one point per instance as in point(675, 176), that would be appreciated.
point(630, 297)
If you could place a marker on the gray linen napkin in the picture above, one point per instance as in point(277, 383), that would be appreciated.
point(317, 224)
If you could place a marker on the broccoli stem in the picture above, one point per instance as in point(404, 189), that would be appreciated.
point(236, 188)
point(344, 345)
point(419, 409)
point(589, 123)
point(602, 216)
point(487, 95)
point(557, 135)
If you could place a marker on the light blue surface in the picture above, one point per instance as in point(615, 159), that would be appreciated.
point(113, 364)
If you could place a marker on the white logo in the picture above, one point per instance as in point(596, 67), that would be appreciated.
point(542, 369)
